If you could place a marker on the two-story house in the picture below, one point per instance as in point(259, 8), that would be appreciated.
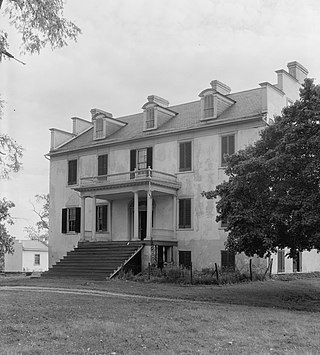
point(138, 179)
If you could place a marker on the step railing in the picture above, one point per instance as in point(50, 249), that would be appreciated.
point(126, 262)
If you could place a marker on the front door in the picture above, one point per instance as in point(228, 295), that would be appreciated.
point(142, 224)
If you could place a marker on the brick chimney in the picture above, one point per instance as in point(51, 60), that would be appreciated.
point(297, 71)
point(158, 100)
point(220, 87)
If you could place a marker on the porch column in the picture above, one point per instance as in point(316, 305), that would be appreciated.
point(83, 222)
point(109, 218)
point(136, 216)
point(93, 212)
point(174, 201)
point(149, 215)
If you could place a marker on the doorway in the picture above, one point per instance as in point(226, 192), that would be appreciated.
point(142, 224)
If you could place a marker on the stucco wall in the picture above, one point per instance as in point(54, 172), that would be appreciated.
point(28, 261)
point(13, 262)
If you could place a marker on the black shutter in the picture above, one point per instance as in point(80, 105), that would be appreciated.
point(103, 164)
point(104, 217)
point(64, 220)
point(78, 220)
point(224, 259)
point(187, 222)
point(132, 159)
point(72, 172)
point(185, 258)
point(149, 157)
point(224, 149)
point(133, 162)
point(181, 214)
point(181, 156)
point(188, 156)
point(231, 145)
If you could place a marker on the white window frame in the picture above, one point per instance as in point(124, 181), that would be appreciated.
point(221, 163)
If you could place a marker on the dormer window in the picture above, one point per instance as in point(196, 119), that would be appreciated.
point(150, 122)
point(208, 106)
point(98, 128)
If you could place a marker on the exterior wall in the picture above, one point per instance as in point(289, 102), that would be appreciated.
point(28, 261)
point(310, 262)
point(23, 260)
point(13, 262)
point(205, 239)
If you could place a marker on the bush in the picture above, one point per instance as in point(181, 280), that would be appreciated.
point(179, 275)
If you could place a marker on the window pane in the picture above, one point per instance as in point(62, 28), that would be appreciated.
point(150, 118)
point(142, 159)
point(208, 106)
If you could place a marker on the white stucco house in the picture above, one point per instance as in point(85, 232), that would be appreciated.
point(28, 256)
point(137, 180)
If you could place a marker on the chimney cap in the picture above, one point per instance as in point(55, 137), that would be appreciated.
point(158, 100)
point(296, 65)
point(220, 87)
point(96, 111)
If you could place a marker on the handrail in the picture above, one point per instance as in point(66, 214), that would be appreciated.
point(147, 173)
point(126, 262)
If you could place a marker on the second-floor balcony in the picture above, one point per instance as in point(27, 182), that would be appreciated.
point(130, 178)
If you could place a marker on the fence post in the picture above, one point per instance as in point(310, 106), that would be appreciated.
point(250, 268)
point(270, 271)
point(217, 272)
point(149, 271)
point(191, 273)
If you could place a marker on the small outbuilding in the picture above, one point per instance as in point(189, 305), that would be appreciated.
point(28, 256)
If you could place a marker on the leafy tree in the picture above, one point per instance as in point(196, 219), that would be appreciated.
point(41, 230)
point(272, 197)
point(6, 241)
point(39, 22)
point(10, 156)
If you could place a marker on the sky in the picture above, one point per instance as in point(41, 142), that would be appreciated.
point(130, 49)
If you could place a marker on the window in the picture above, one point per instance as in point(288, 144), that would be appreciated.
point(185, 150)
point(150, 118)
point(140, 159)
point(165, 255)
point(185, 258)
point(297, 262)
point(102, 218)
point(223, 223)
point(103, 164)
point(72, 172)
point(281, 260)
point(185, 213)
point(228, 260)
point(227, 147)
point(98, 128)
point(208, 106)
point(36, 259)
point(71, 220)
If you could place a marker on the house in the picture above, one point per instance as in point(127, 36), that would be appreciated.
point(28, 256)
point(138, 179)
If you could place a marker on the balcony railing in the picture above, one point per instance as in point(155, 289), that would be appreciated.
point(130, 176)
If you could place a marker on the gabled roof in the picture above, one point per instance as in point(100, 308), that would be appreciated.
point(34, 245)
point(247, 104)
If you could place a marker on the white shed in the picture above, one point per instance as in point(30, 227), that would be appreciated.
point(28, 256)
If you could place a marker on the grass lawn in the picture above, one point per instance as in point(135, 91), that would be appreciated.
point(272, 317)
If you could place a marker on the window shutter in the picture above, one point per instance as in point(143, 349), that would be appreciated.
point(281, 261)
point(181, 214)
point(231, 145)
point(64, 220)
point(185, 156)
point(103, 164)
point(187, 212)
point(72, 172)
point(224, 149)
point(300, 261)
point(78, 220)
point(132, 159)
point(149, 157)
point(224, 259)
point(105, 218)
point(188, 156)
point(181, 156)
